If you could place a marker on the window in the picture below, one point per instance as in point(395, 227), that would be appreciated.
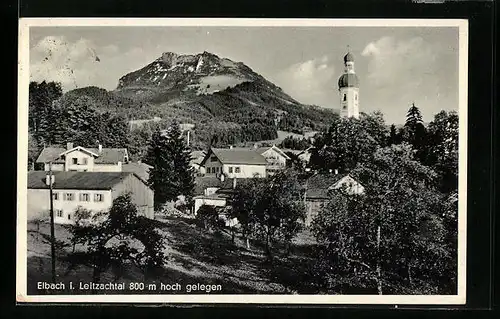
point(213, 170)
point(56, 196)
point(217, 169)
point(84, 197)
point(230, 169)
point(69, 216)
point(75, 160)
point(69, 196)
point(345, 97)
point(356, 97)
point(98, 198)
point(59, 213)
point(213, 159)
point(237, 169)
point(344, 107)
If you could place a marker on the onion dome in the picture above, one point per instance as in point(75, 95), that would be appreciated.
point(348, 57)
point(348, 80)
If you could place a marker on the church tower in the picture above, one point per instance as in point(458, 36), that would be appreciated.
point(349, 89)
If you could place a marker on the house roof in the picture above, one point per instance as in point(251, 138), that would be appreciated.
point(140, 169)
point(106, 156)
point(197, 157)
point(203, 182)
point(318, 185)
point(237, 156)
point(262, 150)
point(78, 180)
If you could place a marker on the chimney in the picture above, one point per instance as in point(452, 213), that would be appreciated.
point(336, 171)
point(69, 145)
point(100, 148)
point(49, 179)
point(234, 183)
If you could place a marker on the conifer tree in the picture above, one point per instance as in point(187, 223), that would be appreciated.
point(415, 133)
point(171, 174)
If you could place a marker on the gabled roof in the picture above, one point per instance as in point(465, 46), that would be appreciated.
point(79, 148)
point(236, 156)
point(197, 157)
point(318, 185)
point(262, 150)
point(139, 169)
point(106, 156)
point(78, 180)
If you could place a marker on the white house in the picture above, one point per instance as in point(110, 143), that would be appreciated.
point(318, 188)
point(275, 157)
point(94, 191)
point(81, 159)
point(234, 163)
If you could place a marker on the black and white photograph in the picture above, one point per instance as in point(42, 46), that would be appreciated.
point(316, 161)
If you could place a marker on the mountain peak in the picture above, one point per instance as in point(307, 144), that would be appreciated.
point(173, 71)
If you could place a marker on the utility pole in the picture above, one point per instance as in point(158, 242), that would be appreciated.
point(52, 235)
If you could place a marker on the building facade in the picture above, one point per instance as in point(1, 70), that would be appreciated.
point(275, 157)
point(318, 188)
point(94, 191)
point(234, 163)
point(81, 159)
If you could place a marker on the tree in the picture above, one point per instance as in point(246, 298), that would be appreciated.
point(33, 151)
point(208, 217)
point(443, 149)
point(414, 132)
point(41, 97)
point(293, 143)
point(115, 238)
point(347, 142)
point(392, 238)
point(271, 208)
point(172, 174)
point(394, 136)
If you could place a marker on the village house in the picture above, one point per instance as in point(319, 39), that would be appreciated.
point(94, 191)
point(196, 159)
point(275, 157)
point(215, 192)
point(206, 191)
point(305, 155)
point(234, 163)
point(138, 168)
point(318, 188)
point(81, 159)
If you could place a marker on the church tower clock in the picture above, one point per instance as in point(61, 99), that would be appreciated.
point(349, 89)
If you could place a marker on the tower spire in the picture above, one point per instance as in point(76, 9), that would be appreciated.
point(348, 88)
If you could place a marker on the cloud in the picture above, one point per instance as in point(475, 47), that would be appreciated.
point(81, 63)
point(409, 62)
point(402, 71)
point(310, 82)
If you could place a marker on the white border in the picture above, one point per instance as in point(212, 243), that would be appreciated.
point(23, 82)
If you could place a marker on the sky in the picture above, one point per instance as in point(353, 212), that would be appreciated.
point(396, 66)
